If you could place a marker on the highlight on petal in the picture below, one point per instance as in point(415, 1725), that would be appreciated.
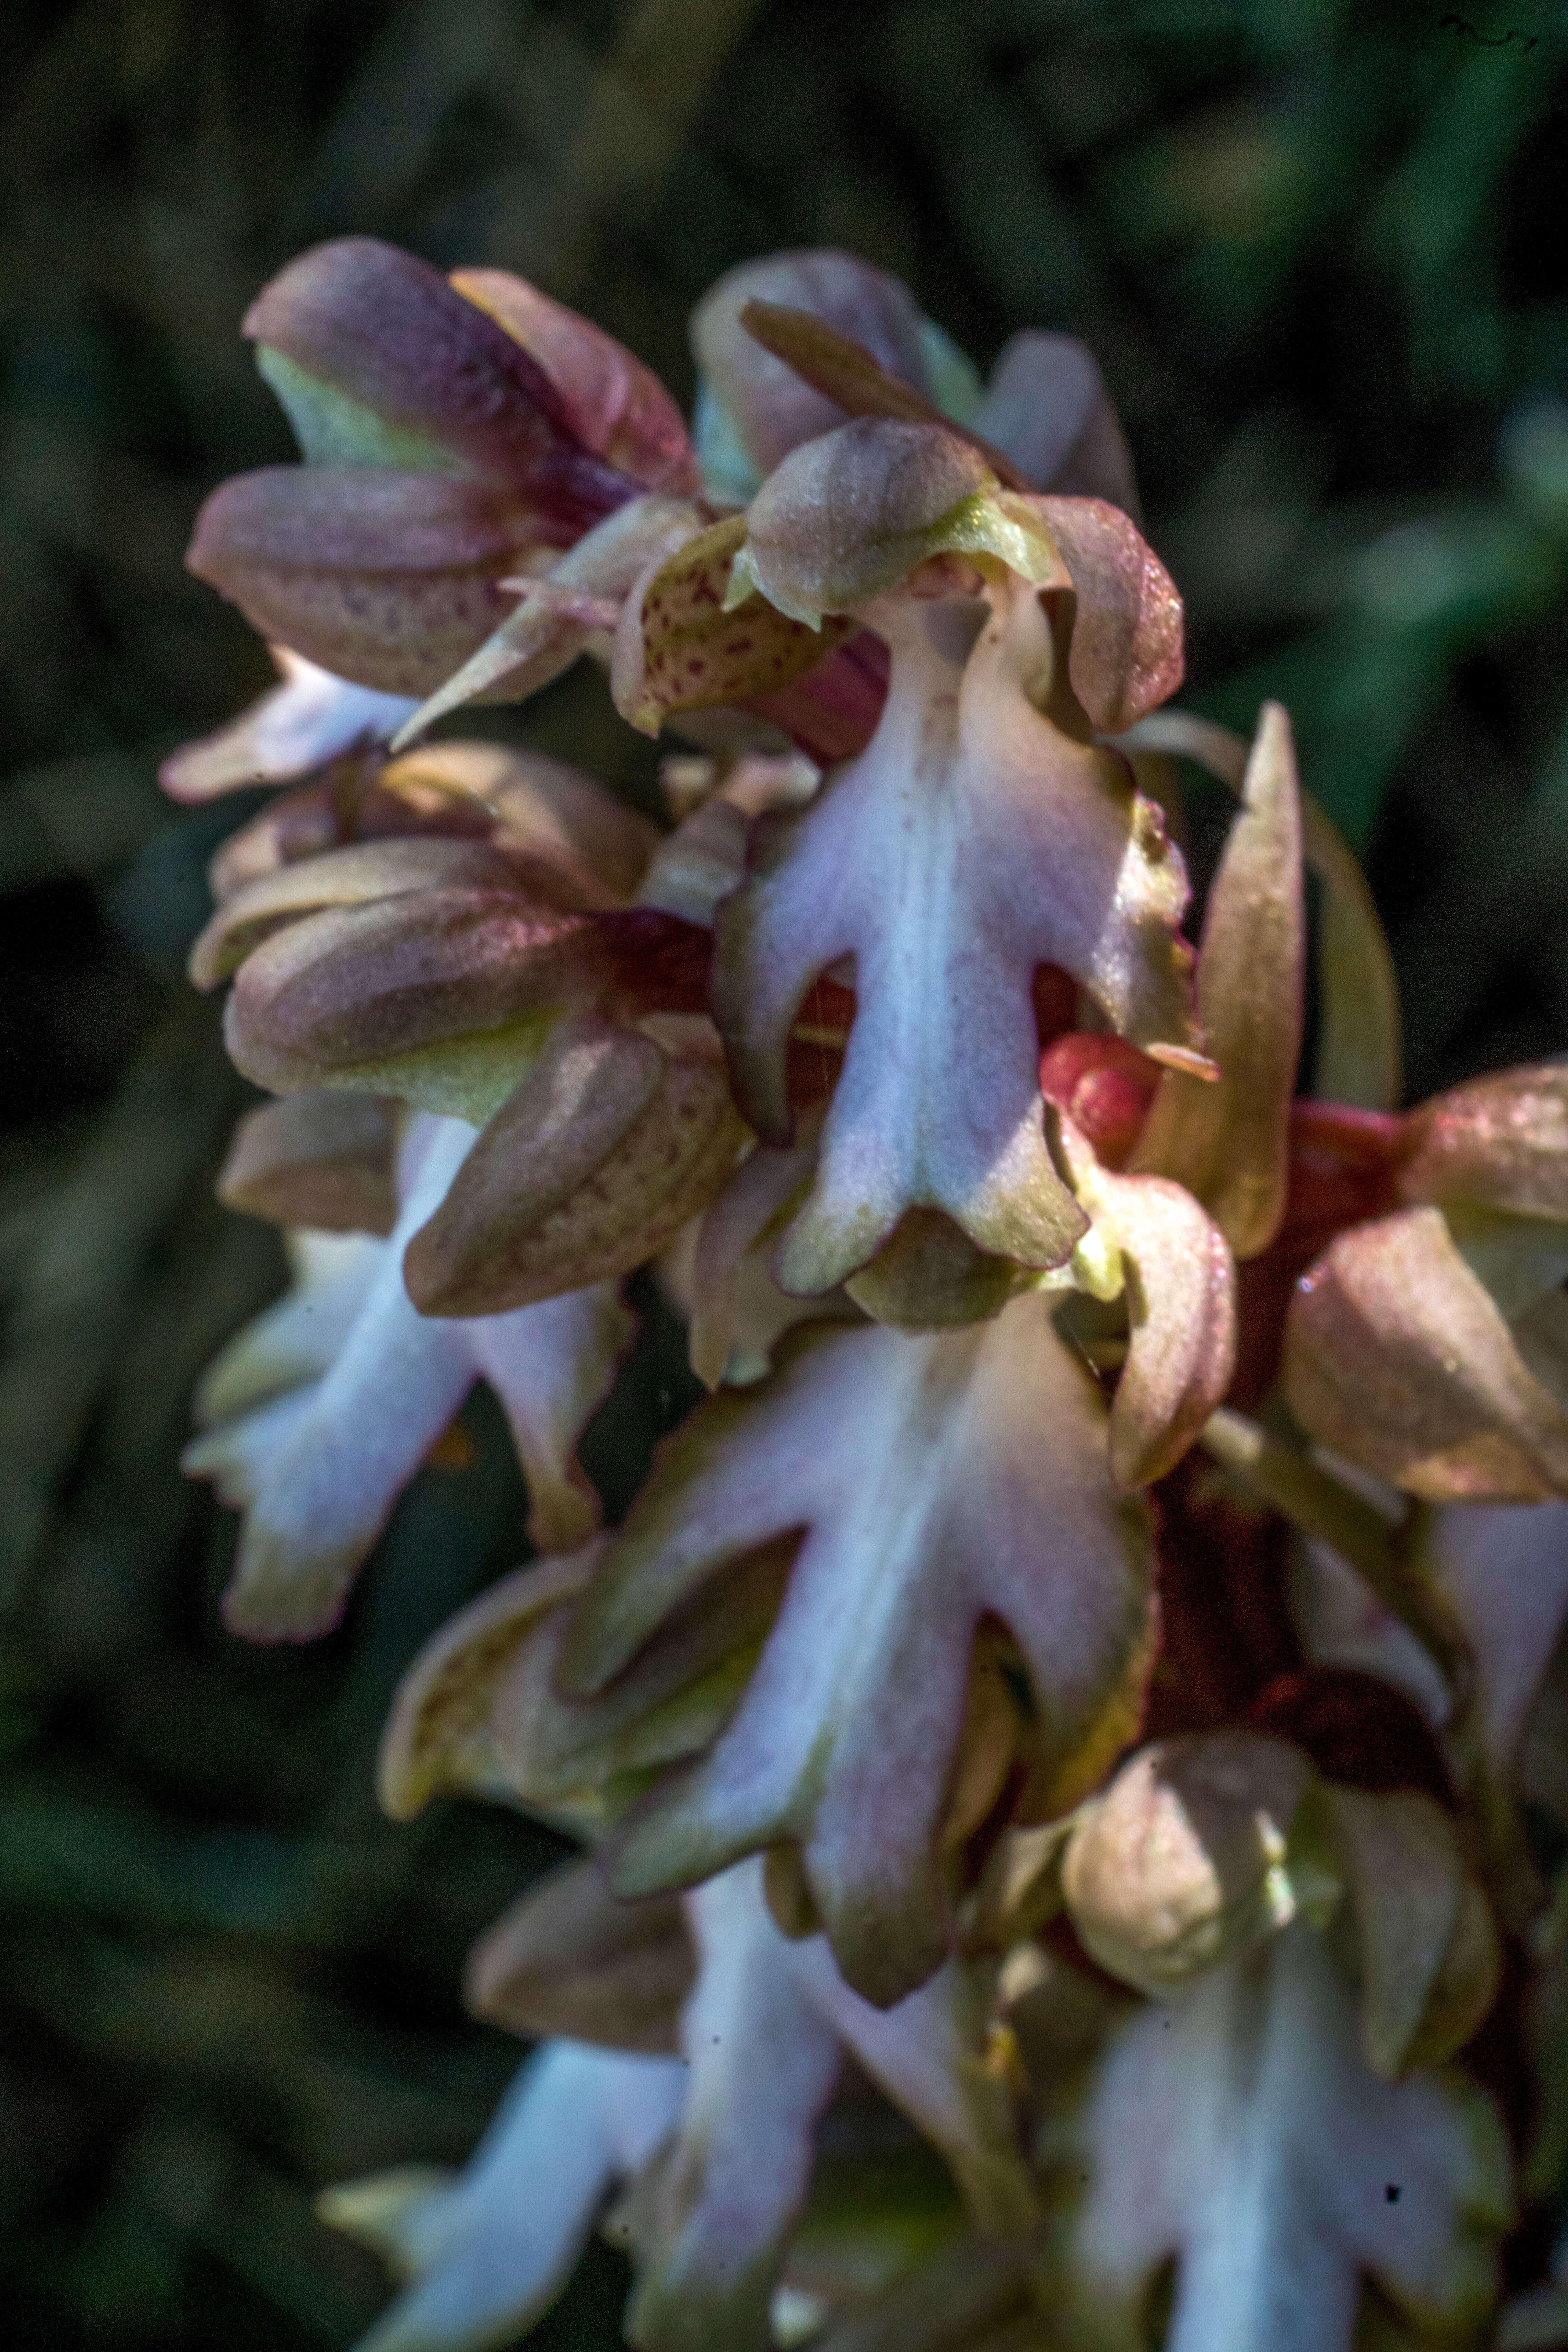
point(852, 514)
point(318, 1466)
point(969, 844)
point(765, 2030)
point(1047, 408)
point(320, 1160)
point(616, 405)
point(308, 718)
point(389, 580)
point(1239, 2132)
point(570, 1960)
point(608, 1147)
point(487, 2253)
point(940, 1481)
point(1229, 1142)
point(387, 332)
point(1397, 1358)
point(771, 407)
point(681, 646)
point(1180, 1286)
point(1182, 1861)
point(1500, 1142)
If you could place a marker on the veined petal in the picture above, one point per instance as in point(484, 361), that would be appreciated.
point(1397, 1358)
point(568, 1958)
point(614, 405)
point(941, 1480)
point(851, 515)
point(608, 1147)
point(389, 580)
point(298, 725)
point(321, 1159)
point(1126, 652)
point(1229, 1141)
point(567, 611)
point(386, 331)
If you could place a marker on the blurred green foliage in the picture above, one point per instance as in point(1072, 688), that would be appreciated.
point(1318, 244)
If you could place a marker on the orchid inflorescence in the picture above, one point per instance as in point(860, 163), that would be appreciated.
point(1051, 1736)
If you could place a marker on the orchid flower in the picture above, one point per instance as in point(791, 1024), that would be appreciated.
point(322, 1410)
point(455, 432)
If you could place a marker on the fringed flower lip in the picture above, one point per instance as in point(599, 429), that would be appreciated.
point(981, 834)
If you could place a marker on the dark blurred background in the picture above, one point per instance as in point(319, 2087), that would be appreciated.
point(1321, 251)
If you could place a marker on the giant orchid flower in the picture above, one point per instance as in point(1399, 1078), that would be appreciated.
point(322, 1410)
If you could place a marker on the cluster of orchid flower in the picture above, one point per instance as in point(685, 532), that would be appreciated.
point(1047, 1733)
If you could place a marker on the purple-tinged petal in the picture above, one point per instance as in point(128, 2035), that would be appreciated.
point(1047, 408)
point(387, 330)
point(569, 1958)
point(1180, 1862)
point(771, 407)
point(1500, 1142)
point(606, 1150)
point(1126, 652)
point(614, 405)
point(320, 1160)
point(388, 579)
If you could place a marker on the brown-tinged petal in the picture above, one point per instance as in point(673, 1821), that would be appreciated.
point(928, 1276)
point(1397, 1358)
point(543, 808)
point(298, 725)
point(1500, 1142)
point(569, 1958)
point(1358, 1060)
point(1126, 654)
point(385, 330)
point(440, 1736)
point(573, 608)
point(942, 1480)
point(971, 842)
point(1415, 1918)
point(1238, 2132)
point(320, 1159)
point(349, 989)
point(1180, 1280)
point(356, 873)
point(678, 646)
point(605, 1150)
point(771, 407)
point(388, 579)
point(1047, 406)
point(848, 517)
point(1182, 1861)
point(614, 405)
point(1229, 1142)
